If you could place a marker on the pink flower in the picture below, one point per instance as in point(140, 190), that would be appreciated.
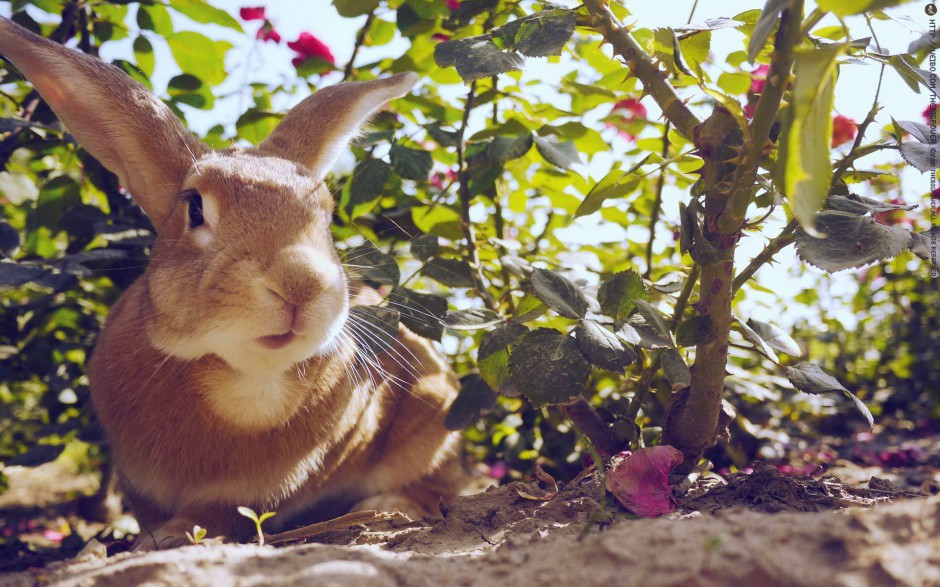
point(759, 79)
point(453, 5)
point(498, 470)
point(930, 113)
point(252, 13)
point(440, 37)
point(627, 111)
point(267, 33)
point(309, 47)
point(843, 130)
point(640, 481)
point(53, 535)
point(440, 180)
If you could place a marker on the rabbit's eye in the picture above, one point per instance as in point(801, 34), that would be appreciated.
point(196, 218)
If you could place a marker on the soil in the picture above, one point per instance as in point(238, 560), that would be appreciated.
point(763, 528)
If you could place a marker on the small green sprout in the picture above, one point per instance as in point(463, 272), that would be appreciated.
point(258, 520)
point(198, 534)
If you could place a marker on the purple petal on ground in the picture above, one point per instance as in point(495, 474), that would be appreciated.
point(641, 481)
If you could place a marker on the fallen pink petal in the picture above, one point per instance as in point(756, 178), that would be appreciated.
point(640, 481)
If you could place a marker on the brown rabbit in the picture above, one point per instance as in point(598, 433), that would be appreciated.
point(228, 374)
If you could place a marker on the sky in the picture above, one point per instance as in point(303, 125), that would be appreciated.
point(255, 61)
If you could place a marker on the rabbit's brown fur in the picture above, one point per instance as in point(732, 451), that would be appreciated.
point(228, 375)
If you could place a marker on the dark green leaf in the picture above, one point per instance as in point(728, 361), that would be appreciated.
point(654, 319)
point(367, 262)
point(617, 292)
point(505, 148)
point(472, 319)
point(493, 357)
point(368, 181)
point(809, 378)
point(538, 35)
point(856, 204)
point(446, 138)
point(613, 185)
point(601, 347)
point(450, 272)
point(775, 337)
point(475, 396)
point(17, 274)
point(411, 163)
point(562, 155)
point(425, 246)
point(851, 241)
point(759, 343)
point(676, 369)
point(637, 332)
point(862, 408)
point(476, 57)
point(374, 328)
point(850, 7)
point(547, 367)
point(694, 330)
point(421, 313)
point(924, 244)
point(559, 293)
point(920, 156)
point(9, 239)
point(143, 54)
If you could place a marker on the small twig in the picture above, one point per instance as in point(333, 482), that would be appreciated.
point(321, 528)
point(785, 238)
point(657, 204)
point(587, 420)
point(683, 298)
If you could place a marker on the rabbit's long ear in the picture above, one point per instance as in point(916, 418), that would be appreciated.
point(315, 132)
point(116, 119)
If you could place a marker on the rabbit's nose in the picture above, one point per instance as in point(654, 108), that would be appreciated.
point(298, 276)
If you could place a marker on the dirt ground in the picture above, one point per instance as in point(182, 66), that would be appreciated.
point(766, 528)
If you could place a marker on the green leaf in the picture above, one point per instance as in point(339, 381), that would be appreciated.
point(749, 335)
point(547, 367)
point(694, 330)
point(637, 331)
point(143, 54)
point(374, 328)
point(248, 513)
point(411, 163)
point(765, 25)
point(367, 183)
point(472, 319)
point(450, 272)
point(775, 337)
point(614, 185)
point(529, 308)
point(506, 148)
point(446, 138)
point(422, 313)
point(849, 241)
point(809, 378)
point(476, 57)
point(9, 239)
point(199, 56)
point(601, 347)
point(920, 156)
point(538, 35)
point(367, 262)
point(38, 454)
point(855, 204)
point(254, 125)
point(425, 246)
point(676, 369)
point(155, 18)
point(563, 154)
point(352, 8)
point(654, 319)
point(617, 292)
point(474, 397)
point(427, 9)
point(807, 169)
point(201, 12)
point(925, 243)
point(493, 357)
point(558, 293)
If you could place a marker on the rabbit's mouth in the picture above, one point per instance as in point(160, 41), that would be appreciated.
point(277, 341)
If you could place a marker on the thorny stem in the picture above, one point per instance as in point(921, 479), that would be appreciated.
point(360, 41)
point(642, 66)
point(464, 194)
point(778, 78)
point(657, 204)
point(784, 239)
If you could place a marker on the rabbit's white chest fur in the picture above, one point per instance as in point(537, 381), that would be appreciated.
point(253, 401)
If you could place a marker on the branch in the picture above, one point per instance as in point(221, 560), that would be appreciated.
point(360, 41)
point(778, 78)
point(642, 66)
point(683, 298)
point(464, 193)
point(596, 430)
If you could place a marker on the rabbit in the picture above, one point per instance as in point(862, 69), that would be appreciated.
point(228, 374)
